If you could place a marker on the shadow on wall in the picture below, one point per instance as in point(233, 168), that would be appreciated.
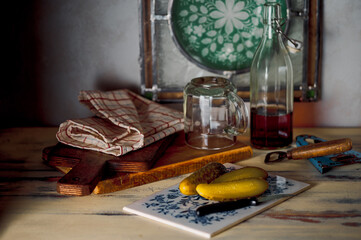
point(109, 82)
point(54, 49)
point(19, 90)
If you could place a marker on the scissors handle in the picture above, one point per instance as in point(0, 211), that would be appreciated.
point(320, 149)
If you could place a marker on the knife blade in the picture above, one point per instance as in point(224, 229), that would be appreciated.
point(233, 205)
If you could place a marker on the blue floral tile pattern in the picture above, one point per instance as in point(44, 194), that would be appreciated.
point(170, 206)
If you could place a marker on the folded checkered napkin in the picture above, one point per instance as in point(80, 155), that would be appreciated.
point(124, 122)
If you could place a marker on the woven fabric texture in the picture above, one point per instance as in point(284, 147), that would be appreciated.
point(123, 122)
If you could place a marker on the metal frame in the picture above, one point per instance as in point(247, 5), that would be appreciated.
point(309, 90)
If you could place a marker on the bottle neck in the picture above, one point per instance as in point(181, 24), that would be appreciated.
point(269, 32)
point(271, 19)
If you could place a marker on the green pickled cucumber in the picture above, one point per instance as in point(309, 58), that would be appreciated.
point(232, 191)
point(242, 173)
point(205, 174)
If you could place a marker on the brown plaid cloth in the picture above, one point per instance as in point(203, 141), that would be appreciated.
point(124, 122)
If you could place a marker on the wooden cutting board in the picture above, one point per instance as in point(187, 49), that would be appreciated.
point(87, 168)
point(175, 160)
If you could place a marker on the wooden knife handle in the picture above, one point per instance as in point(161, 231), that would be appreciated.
point(320, 149)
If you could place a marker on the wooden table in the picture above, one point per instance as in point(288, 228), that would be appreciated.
point(30, 207)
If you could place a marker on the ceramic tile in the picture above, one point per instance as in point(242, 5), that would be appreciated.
point(173, 208)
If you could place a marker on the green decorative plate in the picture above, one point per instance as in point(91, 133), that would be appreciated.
point(219, 35)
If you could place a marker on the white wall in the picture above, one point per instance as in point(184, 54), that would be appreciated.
point(66, 46)
point(341, 69)
point(86, 45)
point(95, 45)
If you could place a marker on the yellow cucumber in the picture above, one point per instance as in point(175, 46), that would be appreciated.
point(205, 174)
point(242, 173)
point(231, 191)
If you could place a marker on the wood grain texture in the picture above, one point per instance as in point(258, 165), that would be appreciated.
point(174, 169)
point(321, 149)
point(178, 159)
point(31, 208)
point(88, 167)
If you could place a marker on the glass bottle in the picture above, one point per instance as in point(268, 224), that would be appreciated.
point(271, 87)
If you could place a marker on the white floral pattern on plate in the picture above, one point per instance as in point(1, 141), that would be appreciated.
point(219, 34)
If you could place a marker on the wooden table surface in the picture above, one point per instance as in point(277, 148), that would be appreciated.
point(30, 207)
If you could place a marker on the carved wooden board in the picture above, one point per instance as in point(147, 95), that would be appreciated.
point(115, 175)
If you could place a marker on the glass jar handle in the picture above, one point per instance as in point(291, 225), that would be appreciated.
point(238, 115)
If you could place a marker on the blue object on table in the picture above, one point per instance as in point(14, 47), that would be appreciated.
point(325, 163)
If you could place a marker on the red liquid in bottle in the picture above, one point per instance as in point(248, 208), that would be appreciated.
point(272, 131)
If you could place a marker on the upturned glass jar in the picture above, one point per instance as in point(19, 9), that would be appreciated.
point(213, 113)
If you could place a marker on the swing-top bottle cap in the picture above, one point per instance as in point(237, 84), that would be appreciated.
point(272, 16)
point(272, 13)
